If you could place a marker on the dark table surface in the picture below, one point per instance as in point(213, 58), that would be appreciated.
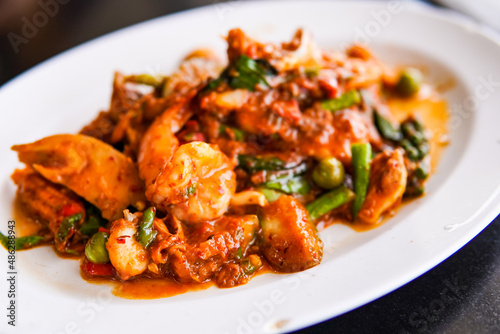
point(461, 295)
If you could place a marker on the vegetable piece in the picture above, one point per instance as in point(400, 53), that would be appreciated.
point(329, 201)
point(346, 100)
point(257, 163)
point(386, 129)
point(329, 173)
point(67, 227)
point(409, 82)
point(95, 269)
point(270, 194)
point(239, 254)
point(248, 197)
point(290, 185)
point(21, 242)
point(415, 142)
point(95, 250)
point(246, 73)
point(91, 226)
point(422, 171)
point(361, 157)
point(93, 221)
point(414, 187)
point(413, 130)
point(146, 234)
point(289, 240)
point(251, 264)
point(146, 79)
point(410, 149)
point(239, 135)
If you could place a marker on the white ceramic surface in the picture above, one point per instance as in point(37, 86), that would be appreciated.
point(66, 92)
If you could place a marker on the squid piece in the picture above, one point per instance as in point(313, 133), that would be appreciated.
point(289, 240)
point(209, 246)
point(197, 67)
point(196, 185)
point(49, 203)
point(387, 185)
point(126, 254)
point(90, 168)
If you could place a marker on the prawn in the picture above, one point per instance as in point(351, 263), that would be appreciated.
point(126, 254)
point(194, 181)
point(90, 168)
point(196, 185)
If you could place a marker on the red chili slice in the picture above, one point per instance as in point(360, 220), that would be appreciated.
point(95, 269)
point(71, 209)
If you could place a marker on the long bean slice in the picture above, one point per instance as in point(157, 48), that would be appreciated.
point(361, 158)
point(346, 100)
point(329, 201)
point(146, 234)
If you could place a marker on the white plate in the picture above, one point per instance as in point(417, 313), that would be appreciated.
point(67, 91)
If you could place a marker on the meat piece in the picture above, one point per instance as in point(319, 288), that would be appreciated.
point(387, 185)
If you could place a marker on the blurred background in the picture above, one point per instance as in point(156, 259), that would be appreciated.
point(34, 30)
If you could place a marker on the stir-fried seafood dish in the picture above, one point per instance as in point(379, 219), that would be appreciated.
point(220, 171)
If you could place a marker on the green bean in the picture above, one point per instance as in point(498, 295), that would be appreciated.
point(386, 129)
point(329, 201)
point(95, 250)
point(409, 82)
point(346, 100)
point(146, 234)
point(361, 158)
point(329, 173)
point(21, 242)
